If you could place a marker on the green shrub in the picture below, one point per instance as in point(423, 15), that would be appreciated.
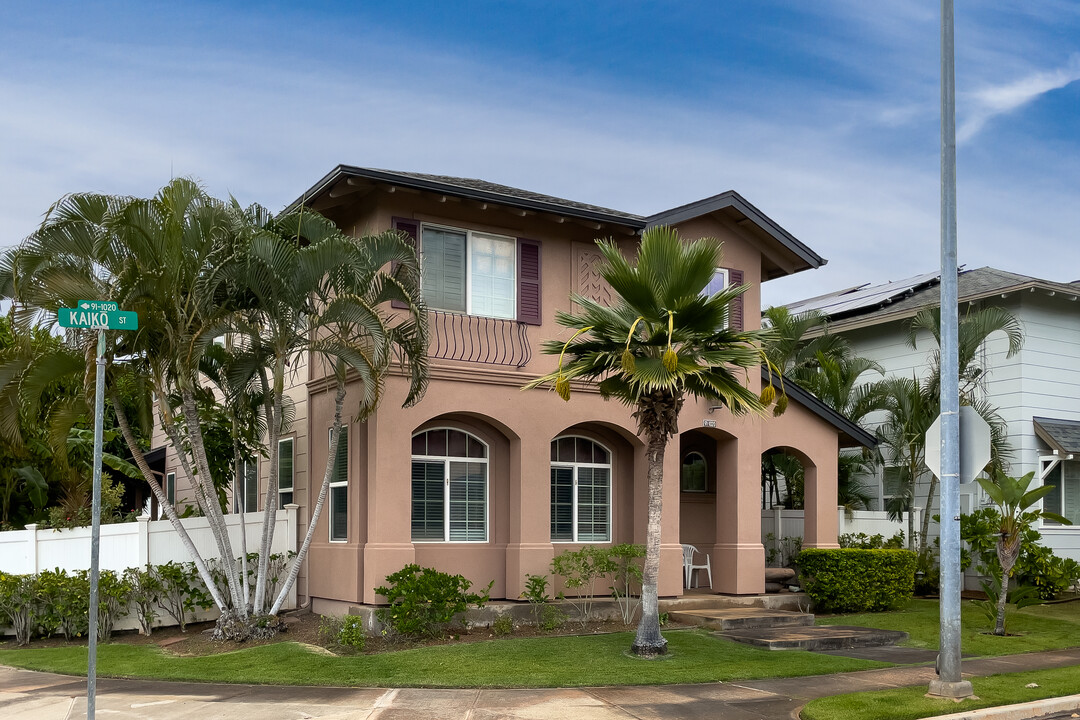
point(626, 578)
point(19, 604)
point(853, 580)
point(145, 596)
point(424, 601)
point(863, 541)
point(503, 625)
point(114, 594)
point(552, 618)
point(182, 591)
point(782, 553)
point(580, 569)
point(63, 603)
point(536, 593)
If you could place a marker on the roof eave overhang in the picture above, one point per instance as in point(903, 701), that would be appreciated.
point(348, 171)
point(850, 434)
point(731, 199)
point(1052, 440)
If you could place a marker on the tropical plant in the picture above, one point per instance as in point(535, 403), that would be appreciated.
point(791, 350)
point(973, 330)
point(662, 340)
point(196, 270)
point(1015, 503)
point(909, 413)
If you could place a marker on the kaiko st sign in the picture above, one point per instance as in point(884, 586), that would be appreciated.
point(97, 315)
point(100, 315)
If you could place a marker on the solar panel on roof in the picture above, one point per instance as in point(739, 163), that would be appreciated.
point(863, 296)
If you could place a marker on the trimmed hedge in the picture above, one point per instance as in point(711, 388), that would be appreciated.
point(855, 580)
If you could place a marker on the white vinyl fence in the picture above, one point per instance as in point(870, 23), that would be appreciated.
point(136, 544)
point(783, 523)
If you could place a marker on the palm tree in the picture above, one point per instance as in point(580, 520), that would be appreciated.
point(1014, 502)
point(789, 348)
point(909, 414)
point(974, 329)
point(195, 269)
point(661, 342)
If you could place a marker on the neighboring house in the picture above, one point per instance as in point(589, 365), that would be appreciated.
point(483, 479)
point(1037, 391)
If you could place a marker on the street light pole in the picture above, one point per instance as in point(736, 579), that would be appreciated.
point(949, 682)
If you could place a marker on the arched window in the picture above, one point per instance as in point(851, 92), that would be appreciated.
point(580, 491)
point(694, 477)
point(449, 487)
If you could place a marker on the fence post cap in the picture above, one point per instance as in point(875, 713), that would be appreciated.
point(290, 506)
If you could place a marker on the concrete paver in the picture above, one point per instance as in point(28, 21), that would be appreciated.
point(43, 696)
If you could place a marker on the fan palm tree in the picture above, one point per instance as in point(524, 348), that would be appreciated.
point(662, 341)
point(1014, 502)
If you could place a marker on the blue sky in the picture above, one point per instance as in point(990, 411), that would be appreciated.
point(824, 114)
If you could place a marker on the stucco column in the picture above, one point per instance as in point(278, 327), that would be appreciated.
point(738, 558)
point(819, 501)
point(529, 550)
point(388, 545)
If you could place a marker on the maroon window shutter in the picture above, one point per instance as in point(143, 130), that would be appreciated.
point(735, 310)
point(411, 228)
point(529, 308)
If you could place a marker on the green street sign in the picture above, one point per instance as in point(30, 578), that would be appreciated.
point(98, 315)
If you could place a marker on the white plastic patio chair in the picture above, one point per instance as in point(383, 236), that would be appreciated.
point(689, 567)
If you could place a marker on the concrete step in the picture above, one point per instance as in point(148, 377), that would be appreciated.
point(742, 618)
point(797, 602)
point(821, 637)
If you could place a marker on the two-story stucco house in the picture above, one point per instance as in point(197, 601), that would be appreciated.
point(483, 479)
point(1036, 391)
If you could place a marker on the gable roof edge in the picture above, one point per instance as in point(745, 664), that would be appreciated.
point(808, 400)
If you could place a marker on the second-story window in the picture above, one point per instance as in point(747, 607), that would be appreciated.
point(477, 273)
point(469, 272)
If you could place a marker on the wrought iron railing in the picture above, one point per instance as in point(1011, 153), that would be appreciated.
point(470, 338)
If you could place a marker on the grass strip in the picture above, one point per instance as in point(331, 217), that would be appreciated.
point(1040, 627)
point(905, 703)
point(695, 657)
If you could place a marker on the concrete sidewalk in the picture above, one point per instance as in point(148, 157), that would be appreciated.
point(42, 696)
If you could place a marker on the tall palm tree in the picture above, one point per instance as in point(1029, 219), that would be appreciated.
point(909, 413)
point(662, 341)
point(974, 329)
point(194, 269)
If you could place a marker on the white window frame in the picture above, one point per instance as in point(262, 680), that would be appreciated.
point(574, 507)
point(683, 464)
point(727, 283)
point(292, 479)
point(337, 484)
point(244, 465)
point(1046, 464)
point(469, 235)
point(446, 460)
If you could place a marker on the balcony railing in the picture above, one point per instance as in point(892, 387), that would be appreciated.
point(470, 338)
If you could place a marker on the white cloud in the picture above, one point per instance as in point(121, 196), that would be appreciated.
point(989, 102)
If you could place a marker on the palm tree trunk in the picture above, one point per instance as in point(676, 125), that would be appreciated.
point(1007, 551)
point(166, 506)
point(214, 515)
point(238, 469)
point(294, 571)
point(648, 640)
point(273, 411)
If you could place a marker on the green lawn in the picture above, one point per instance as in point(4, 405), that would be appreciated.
point(1040, 627)
point(695, 657)
point(912, 702)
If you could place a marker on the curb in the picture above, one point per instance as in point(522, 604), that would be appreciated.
point(1021, 711)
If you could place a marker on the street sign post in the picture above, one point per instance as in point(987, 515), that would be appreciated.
point(974, 445)
point(100, 315)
